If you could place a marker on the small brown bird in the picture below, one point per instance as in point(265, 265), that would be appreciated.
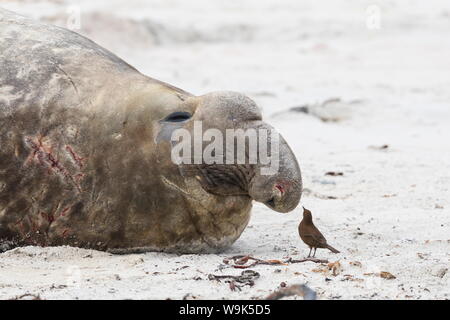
point(311, 235)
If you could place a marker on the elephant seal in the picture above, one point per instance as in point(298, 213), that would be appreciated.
point(86, 152)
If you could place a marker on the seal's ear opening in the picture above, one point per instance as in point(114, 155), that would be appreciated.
point(178, 116)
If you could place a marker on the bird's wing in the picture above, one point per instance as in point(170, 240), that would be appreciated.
point(318, 239)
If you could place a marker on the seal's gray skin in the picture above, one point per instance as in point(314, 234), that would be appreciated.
point(85, 155)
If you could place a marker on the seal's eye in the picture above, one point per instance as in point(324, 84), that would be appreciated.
point(178, 117)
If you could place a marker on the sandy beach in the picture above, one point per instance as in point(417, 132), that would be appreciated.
point(357, 88)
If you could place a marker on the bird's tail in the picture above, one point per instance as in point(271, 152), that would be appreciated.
point(332, 249)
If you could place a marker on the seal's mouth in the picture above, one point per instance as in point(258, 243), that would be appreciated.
point(271, 203)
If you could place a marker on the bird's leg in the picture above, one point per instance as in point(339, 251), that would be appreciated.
point(309, 254)
point(314, 255)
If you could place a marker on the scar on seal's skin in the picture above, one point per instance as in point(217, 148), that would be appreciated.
point(174, 186)
point(68, 78)
point(78, 160)
point(47, 159)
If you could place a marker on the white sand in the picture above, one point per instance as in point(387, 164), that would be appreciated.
point(392, 211)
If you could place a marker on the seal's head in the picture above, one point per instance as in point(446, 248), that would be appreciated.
point(232, 151)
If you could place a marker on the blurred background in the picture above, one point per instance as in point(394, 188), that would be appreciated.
point(282, 53)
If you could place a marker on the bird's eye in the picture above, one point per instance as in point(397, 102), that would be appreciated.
point(178, 116)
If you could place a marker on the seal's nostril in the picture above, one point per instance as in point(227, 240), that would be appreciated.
point(280, 188)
